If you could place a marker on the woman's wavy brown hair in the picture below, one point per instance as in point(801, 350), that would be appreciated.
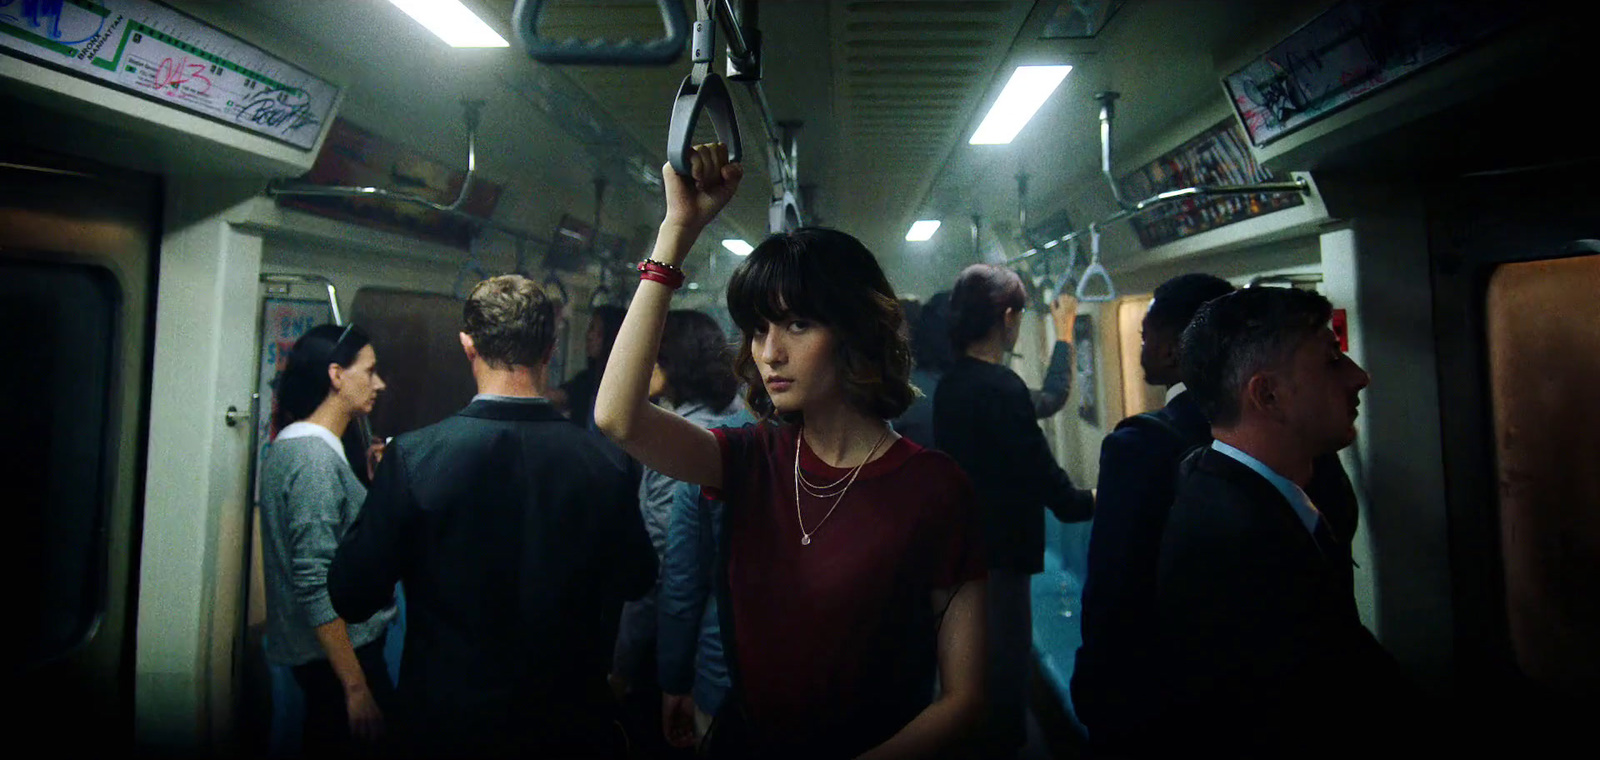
point(828, 277)
point(696, 359)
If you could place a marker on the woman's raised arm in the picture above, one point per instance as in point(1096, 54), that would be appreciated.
point(660, 439)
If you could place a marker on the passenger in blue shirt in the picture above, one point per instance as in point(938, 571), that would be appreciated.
point(692, 669)
point(678, 621)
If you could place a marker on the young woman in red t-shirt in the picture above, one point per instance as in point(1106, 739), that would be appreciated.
point(854, 573)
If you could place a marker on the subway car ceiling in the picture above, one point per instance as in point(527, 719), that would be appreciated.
point(1408, 186)
point(884, 94)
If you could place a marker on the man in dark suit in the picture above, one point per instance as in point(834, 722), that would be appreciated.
point(1113, 678)
point(518, 537)
point(1116, 681)
point(1264, 652)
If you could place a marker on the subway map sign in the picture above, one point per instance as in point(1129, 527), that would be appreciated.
point(151, 50)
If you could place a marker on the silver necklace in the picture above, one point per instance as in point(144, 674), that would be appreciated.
point(805, 535)
point(822, 492)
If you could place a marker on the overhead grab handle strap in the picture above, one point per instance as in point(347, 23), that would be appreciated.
point(711, 98)
point(1095, 270)
point(553, 282)
point(603, 52)
point(783, 215)
point(1065, 282)
point(702, 92)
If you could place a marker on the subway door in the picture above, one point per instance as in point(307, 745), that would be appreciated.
point(77, 245)
point(1516, 267)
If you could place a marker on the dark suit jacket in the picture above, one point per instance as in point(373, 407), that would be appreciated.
point(1116, 678)
point(1113, 676)
point(983, 417)
point(517, 536)
point(1263, 650)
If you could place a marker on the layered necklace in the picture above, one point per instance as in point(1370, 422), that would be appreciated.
point(824, 491)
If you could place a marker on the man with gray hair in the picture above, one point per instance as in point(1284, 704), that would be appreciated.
point(518, 537)
point(1264, 652)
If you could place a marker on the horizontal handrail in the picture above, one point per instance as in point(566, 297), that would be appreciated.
point(276, 190)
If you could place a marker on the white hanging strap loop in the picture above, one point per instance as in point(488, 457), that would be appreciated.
point(1095, 270)
point(554, 286)
point(1065, 282)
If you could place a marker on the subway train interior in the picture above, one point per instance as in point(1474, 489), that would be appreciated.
point(186, 187)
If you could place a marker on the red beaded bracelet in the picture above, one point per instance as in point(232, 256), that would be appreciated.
point(657, 271)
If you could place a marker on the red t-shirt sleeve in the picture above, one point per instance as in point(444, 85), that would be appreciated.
point(742, 451)
point(958, 540)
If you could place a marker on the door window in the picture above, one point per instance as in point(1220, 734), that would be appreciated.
point(1544, 363)
point(56, 432)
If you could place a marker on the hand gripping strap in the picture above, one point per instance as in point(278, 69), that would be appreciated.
point(710, 96)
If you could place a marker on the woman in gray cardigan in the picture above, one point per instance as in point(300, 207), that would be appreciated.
point(309, 497)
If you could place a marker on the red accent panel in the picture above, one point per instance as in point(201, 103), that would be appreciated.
point(1341, 328)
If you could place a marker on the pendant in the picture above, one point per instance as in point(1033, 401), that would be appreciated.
point(805, 539)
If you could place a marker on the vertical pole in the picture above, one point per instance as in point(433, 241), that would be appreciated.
point(977, 251)
point(599, 206)
point(1022, 206)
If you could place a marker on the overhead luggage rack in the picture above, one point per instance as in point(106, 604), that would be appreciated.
point(456, 208)
point(1129, 210)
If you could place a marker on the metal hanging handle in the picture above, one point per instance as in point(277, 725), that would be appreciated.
point(1064, 284)
point(553, 283)
point(603, 52)
point(702, 92)
point(1095, 270)
point(783, 215)
point(711, 98)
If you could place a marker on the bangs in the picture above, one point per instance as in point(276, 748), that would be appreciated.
point(773, 284)
point(828, 277)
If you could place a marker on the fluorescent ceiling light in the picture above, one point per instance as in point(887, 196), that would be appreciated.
point(452, 22)
point(739, 247)
point(1029, 88)
point(922, 230)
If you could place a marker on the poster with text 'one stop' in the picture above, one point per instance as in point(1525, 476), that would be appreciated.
point(155, 52)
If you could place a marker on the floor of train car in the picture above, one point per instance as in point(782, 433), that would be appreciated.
point(1051, 735)
point(1050, 732)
